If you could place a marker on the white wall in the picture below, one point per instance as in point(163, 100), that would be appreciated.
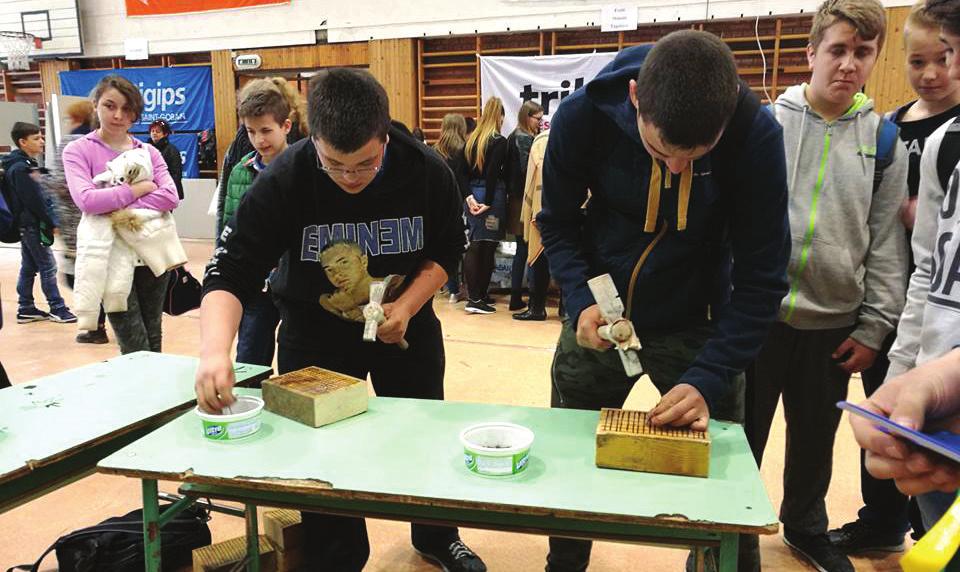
point(105, 25)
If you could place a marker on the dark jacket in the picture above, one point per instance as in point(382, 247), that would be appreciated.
point(493, 168)
point(689, 226)
point(171, 156)
point(33, 203)
point(411, 212)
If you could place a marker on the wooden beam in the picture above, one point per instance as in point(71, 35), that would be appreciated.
point(224, 100)
point(303, 58)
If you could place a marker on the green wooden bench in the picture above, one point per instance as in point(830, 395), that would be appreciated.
point(402, 460)
point(55, 429)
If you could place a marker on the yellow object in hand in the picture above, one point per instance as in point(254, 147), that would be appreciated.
point(933, 552)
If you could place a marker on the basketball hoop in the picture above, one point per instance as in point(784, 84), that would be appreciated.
point(17, 46)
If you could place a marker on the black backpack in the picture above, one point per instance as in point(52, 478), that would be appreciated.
point(116, 544)
point(10, 234)
point(949, 154)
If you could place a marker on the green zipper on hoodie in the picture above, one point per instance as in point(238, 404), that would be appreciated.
point(811, 226)
point(858, 101)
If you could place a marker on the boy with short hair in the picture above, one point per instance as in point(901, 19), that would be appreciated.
point(265, 113)
point(363, 179)
point(847, 266)
point(883, 520)
point(37, 221)
point(930, 322)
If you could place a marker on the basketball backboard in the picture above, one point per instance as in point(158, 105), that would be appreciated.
point(55, 22)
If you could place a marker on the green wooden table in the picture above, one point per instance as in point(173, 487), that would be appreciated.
point(55, 429)
point(402, 460)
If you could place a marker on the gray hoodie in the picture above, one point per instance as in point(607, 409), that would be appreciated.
point(930, 325)
point(848, 263)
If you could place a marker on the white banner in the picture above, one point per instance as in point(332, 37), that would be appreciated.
point(544, 79)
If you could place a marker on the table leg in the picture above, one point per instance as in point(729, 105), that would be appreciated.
point(151, 526)
point(699, 558)
point(253, 539)
point(728, 551)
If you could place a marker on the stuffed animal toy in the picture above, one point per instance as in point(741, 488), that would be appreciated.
point(128, 168)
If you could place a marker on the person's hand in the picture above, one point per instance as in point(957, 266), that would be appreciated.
point(590, 320)
point(916, 400)
point(214, 383)
point(860, 357)
point(682, 406)
point(481, 208)
point(908, 212)
point(56, 231)
point(143, 188)
point(395, 327)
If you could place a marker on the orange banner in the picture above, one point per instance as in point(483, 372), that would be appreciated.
point(159, 7)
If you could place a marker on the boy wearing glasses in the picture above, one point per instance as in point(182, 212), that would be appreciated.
point(363, 180)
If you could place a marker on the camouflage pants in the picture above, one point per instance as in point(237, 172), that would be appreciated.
point(588, 379)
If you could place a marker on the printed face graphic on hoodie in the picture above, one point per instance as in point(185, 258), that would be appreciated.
point(841, 65)
point(346, 268)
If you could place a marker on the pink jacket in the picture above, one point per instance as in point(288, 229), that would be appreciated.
point(87, 157)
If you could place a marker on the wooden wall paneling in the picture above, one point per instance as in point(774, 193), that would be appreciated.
point(448, 80)
point(305, 58)
point(888, 84)
point(391, 62)
point(224, 101)
point(8, 93)
point(50, 77)
point(420, 83)
point(776, 59)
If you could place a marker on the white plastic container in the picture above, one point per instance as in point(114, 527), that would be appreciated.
point(496, 449)
point(242, 421)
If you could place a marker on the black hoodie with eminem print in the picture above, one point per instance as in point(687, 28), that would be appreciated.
point(410, 213)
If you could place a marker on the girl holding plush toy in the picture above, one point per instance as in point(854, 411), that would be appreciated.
point(126, 241)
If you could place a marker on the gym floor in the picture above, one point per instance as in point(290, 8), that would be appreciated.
point(491, 359)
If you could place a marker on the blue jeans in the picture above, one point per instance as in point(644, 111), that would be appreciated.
point(933, 506)
point(37, 259)
point(257, 337)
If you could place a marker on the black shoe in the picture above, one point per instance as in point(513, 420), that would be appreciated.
point(454, 558)
point(479, 307)
point(488, 300)
point(817, 549)
point(531, 315)
point(93, 337)
point(858, 536)
point(517, 305)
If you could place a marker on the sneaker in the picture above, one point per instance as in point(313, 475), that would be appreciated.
point(817, 549)
point(27, 315)
point(488, 300)
point(454, 558)
point(458, 297)
point(479, 307)
point(62, 315)
point(93, 337)
point(858, 536)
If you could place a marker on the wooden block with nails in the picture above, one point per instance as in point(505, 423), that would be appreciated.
point(283, 528)
point(315, 396)
point(625, 440)
point(224, 556)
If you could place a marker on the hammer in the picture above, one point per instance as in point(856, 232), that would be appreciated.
point(618, 330)
point(374, 316)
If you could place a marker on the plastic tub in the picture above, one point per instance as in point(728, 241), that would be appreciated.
point(496, 449)
point(242, 421)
